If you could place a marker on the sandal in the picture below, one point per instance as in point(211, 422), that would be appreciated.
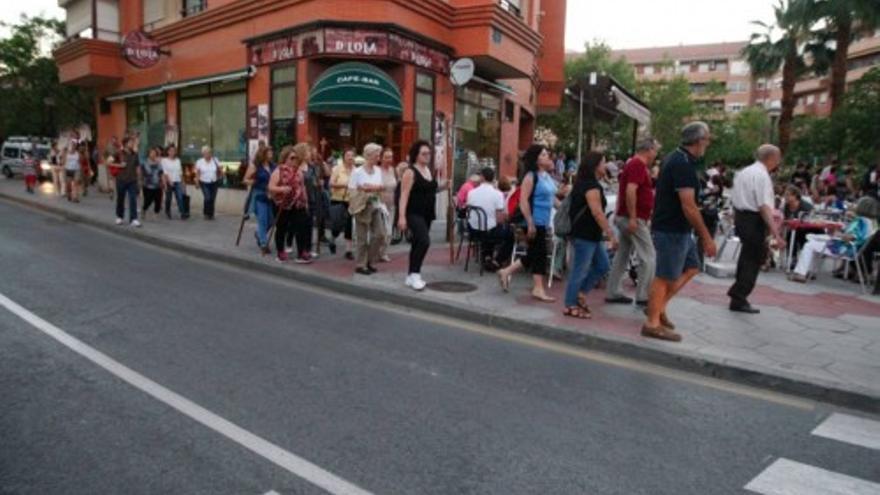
point(543, 298)
point(577, 312)
point(504, 281)
point(582, 302)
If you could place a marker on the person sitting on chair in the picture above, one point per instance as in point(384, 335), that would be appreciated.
point(497, 240)
point(847, 244)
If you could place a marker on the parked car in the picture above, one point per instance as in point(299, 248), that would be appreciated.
point(13, 153)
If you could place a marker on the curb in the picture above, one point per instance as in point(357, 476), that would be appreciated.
point(735, 372)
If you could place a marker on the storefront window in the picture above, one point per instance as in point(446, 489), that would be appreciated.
point(215, 115)
point(478, 125)
point(145, 116)
point(425, 106)
point(283, 106)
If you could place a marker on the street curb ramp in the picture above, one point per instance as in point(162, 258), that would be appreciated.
point(650, 352)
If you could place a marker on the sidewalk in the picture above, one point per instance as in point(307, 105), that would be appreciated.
point(820, 340)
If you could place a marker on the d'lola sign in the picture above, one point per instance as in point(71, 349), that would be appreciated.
point(140, 50)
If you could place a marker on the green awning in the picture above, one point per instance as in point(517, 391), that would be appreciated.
point(355, 87)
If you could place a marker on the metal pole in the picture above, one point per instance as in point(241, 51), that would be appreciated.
point(450, 210)
point(581, 129)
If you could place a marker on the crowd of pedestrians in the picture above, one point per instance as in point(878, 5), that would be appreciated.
point(660, 232)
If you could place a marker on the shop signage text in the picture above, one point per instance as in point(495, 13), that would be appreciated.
point(354, 42)
point(140, 50)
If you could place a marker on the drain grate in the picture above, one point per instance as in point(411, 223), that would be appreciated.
point(452, 287)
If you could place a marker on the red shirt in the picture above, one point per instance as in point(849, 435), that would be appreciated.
point(636, 172)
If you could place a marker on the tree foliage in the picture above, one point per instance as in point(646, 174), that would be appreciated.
point(34, 101)
point(671, 105)
point(852, 131)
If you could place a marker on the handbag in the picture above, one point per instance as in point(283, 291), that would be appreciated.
point(338, 217)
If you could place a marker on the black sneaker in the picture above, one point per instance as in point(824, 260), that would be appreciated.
point(332, 247)
point(362, 271)
point(349, 255)
point(372, 269)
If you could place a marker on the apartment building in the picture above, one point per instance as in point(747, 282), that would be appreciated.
point(230, 73)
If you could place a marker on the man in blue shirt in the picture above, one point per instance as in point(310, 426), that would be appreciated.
point(676, 218)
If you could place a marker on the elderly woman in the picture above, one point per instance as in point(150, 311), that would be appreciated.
point(365, 190)
point(849, 242)
point(389, 180)
point(288, 188)
point(339, 199)
point(208, 175)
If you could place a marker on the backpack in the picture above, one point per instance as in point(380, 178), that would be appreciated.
point(562, 222)
point(516, 215)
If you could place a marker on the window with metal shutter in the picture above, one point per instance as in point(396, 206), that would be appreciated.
point(154, 11)
point(79, 16)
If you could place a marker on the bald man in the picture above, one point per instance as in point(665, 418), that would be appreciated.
point(754, 203)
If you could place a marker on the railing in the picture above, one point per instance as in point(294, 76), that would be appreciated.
point(193, 7)
point(512, 6)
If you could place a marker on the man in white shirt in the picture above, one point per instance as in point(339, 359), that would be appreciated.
point(488, 198)
point(754, 203)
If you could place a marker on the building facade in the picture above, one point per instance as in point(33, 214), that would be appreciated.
point(336, 73)
point(813, 95)
point(718, 75)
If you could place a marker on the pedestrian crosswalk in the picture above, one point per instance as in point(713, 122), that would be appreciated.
point(789, 477)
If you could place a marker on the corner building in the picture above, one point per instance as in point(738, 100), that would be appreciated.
point(342, 72)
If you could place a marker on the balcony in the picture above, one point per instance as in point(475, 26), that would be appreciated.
point(500, 42)
point(89, 62)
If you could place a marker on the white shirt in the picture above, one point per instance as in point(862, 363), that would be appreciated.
point(71, 161)
point(172, 169)
point(753, 188)
point(207, 169)
point(360, 177)
point(488, 198)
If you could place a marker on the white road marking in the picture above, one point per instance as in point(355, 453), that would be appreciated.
point(850, 429)
point(785, 477)
point(269, 451)
point(271, 492)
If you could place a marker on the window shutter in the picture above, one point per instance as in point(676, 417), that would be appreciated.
point(154, 11)
point(79, 16)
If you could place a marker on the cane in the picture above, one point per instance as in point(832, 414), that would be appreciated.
point(245, 216)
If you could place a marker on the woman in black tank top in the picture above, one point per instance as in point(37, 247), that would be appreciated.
point(418, 192)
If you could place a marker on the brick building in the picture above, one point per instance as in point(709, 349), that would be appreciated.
point(228, 73)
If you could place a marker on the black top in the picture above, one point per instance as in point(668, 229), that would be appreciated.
point(422, 196)
point(679, 171)
point(583, 224)
point(130, 162)
point(802, 209)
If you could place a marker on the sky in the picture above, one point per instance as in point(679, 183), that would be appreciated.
point(646, 23)
point(620, 23)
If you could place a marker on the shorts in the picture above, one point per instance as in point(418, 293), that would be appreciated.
point(71, 174)
point(676, 253)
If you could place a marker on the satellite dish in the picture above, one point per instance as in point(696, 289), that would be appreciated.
point(461, 72)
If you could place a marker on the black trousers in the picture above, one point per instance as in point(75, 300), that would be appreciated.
point(536, 255)
point(152, 197)
point(419, 228)
point(752, 233)
point(296, 223)
point(496, 244)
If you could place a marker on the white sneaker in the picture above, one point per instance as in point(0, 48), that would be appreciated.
point(118, 221)
point(385, 259)
point(314, 255)
point(135, 223)
point(289, 250)
point(417, 283)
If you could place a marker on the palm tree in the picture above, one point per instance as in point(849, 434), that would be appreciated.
point(844, 18)
point(794, 51)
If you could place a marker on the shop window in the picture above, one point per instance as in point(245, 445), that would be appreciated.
point(145, 116)
point(425, 106)
point(215, 115)
point(283, 118)
point(478, 128)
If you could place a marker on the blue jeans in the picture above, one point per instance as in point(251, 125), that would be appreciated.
point(129, 189)
point(676, 254)
point(209, 191)
point(176, 190)
point(263, 209)
point(590, 264)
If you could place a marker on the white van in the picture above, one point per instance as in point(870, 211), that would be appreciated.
point(12, 157)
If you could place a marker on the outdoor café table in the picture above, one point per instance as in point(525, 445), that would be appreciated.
point(793, 226)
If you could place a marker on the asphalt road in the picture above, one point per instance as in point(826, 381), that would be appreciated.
point(392, 402)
